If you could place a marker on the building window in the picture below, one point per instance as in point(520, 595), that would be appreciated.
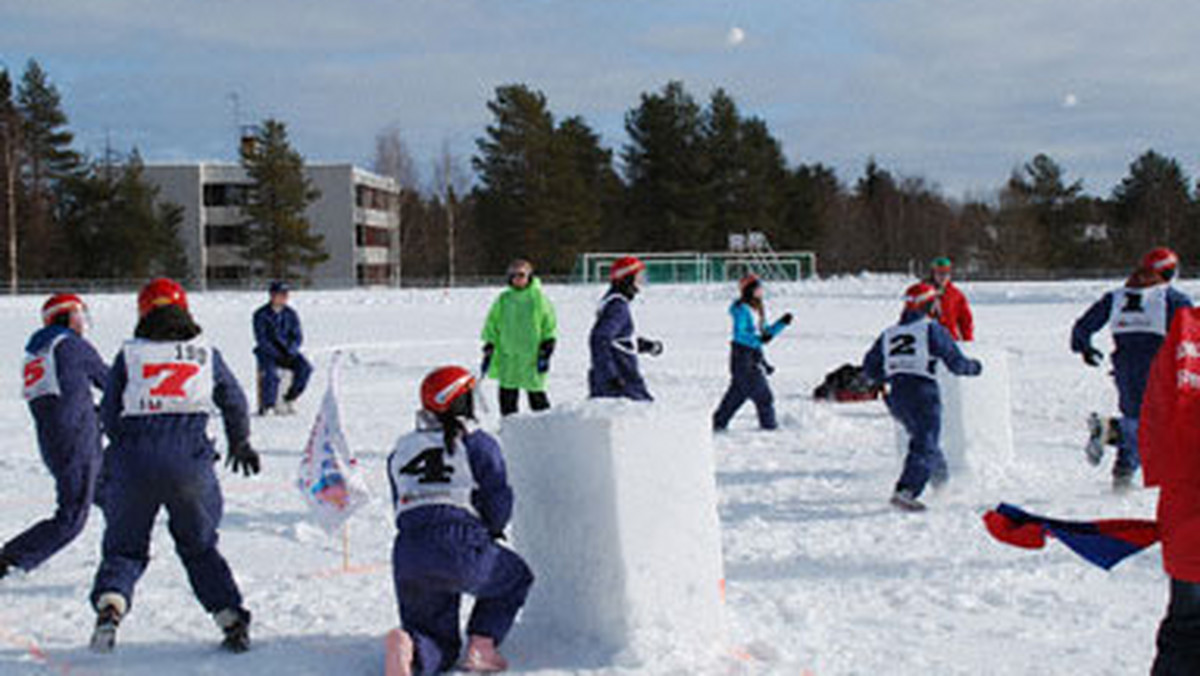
point(226, 235)
point(366, 235)
point(226, 194)
point(366, 197)
point(373, 274)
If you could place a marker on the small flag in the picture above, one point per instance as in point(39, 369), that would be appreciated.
point(329, 479)
point(1103, 542)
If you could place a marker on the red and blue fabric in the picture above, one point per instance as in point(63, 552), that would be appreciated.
point(1103, 542)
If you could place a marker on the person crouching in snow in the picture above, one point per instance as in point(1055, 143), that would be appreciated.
point(162, 386)
point(748, 367)
point(277, 340)
point(453, 502)
point(1138, 315)
point(614, 344)
point(906, 357)
point(1170, 448)
point(519, 338)
point(61, 368)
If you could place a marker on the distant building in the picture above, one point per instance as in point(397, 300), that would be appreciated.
point(357, 214)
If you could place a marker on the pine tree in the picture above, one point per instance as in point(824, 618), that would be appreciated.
point(1152, 205)
point(280, 241)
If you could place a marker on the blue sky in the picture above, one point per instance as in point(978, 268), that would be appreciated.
point(959, 91)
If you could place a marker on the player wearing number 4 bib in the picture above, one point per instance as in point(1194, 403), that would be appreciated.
point(61, 368)
point(453, 501)
point(906, 357)
point(163, 386)
point(1139, 315)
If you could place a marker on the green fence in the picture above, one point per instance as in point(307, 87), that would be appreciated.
point(700, 268)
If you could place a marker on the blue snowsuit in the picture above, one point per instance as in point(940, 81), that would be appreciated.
point(915, 399)
point(748, 368)
point(166, 460)
point(443, 551)
point(1135, 349)
point(277, 340)
point(68, 436)
point(615, 348)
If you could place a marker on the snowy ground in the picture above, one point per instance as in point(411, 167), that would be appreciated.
point(823, 578)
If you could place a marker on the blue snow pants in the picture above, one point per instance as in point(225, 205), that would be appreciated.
point(1130, 373)
point(268, 368)
point(747, 369)
point(140, 483)
point(917, 404)
point(1179, 633)
point(433, 566)
point(75, 465)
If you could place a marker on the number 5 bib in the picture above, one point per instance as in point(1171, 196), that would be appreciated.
point(167, 378)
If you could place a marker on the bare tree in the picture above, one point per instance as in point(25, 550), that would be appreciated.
point(393, 159)
point(450, 183)
point(10, 129)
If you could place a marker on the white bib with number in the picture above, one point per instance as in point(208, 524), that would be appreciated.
point(166, 377)
point(1139, 310)
point(424, 474)
point(41, 372)
point(906, 350)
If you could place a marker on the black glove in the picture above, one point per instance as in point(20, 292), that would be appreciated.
point(650, 347)
point(786, 319)
point(545, 351)
point(766, 337)
point(1092, 356)
point(768, 369)
point(498, 536)
point(243, 459)
point(488, 350)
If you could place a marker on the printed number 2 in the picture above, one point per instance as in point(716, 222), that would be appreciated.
point(174, 378)
point(431, 466)
point(35, 371)
point(903, 345)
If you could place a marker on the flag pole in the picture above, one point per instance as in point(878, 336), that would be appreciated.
point(345, 547)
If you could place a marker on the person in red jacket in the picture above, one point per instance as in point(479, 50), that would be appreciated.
point(1169, 440)
point(953, 310)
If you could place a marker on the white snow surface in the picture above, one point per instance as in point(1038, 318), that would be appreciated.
point(823, 578)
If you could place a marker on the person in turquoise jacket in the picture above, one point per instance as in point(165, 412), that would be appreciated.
point(519, 339)
point(748, 368)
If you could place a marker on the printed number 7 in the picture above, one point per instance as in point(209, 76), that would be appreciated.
point(175, 376)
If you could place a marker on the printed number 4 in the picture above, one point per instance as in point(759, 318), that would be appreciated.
point(431, 466)
point(903, 345)
point(174, 376)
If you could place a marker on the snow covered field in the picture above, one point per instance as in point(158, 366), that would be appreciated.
point(823, 578)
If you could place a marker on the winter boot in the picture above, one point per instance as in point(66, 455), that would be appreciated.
point(904, 500)
point(6, 566)
point(1097, 436)
point(235, 622)
point(398, 653)
point(109, 610)
point(482, 657)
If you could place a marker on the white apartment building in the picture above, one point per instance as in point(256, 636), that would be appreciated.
point(357, 214)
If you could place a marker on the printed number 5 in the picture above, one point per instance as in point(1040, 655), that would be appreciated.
point(903, 345)
point(34, 371)
point(174, 378)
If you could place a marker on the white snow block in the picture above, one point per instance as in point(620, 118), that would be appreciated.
point(976, 414)
point(617, 515)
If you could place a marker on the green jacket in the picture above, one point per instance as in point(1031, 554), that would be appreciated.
point(519, 321)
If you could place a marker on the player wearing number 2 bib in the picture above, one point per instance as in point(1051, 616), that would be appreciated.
point(1139, 315)
point(163, 387)
point(453, 502)
point(61, 368)
point(906, 357)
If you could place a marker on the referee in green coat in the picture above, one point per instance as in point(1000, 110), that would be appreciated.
point(519, 338)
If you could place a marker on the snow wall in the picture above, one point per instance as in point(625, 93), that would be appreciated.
point(976, 414)
point(617, 515)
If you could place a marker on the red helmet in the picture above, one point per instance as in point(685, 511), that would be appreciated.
point(160, 293)
point(1161, 260)
point(443, 386)
point(626, 266)
point(60, 304)
point(748, 281)
point(920, 296)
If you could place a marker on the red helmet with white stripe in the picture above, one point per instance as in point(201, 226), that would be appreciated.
point(1161, 260)
point(60, 304)
point(442, 387)
point(161, 292)
point(626, 266)
point(919, 297)
point(748, 281)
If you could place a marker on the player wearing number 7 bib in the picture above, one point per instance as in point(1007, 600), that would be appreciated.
point(61, 368)
point(453, 502)
point(906, 357)
point(163, 387)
